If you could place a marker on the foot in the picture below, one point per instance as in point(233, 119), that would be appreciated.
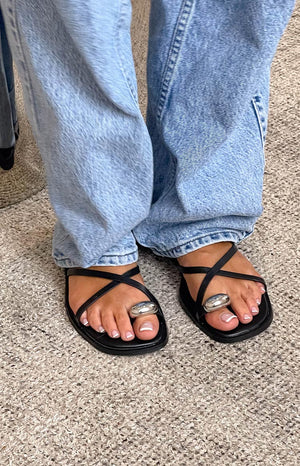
point(111, 312)
point(245, 295)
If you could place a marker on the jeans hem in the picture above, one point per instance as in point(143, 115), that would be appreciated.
point(108, 260)
point(201, 241)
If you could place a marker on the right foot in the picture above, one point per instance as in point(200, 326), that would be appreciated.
point(245, 295)
point(110, 313)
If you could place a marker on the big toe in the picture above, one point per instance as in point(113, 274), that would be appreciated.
point(146, 327)
point(222, 319)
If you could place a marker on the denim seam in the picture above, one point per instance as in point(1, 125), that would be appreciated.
point(64, 261)
point(176, 42)
point(167, 77)
point(261, 130)
point(61, 256)
point(225, 235)
point(122, 62)
point(28, 82)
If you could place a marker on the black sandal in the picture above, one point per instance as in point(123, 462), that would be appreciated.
point(102, 341)
point(196, 311)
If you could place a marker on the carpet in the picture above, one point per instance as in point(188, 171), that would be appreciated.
point(196, 402)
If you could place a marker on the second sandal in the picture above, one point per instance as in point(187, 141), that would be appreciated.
point(196, 310)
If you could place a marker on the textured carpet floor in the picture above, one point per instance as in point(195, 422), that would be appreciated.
point(193, 403)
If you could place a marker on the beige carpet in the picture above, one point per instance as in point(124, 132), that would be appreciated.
point(193, 403)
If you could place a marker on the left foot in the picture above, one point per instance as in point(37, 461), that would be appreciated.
point(245, 295)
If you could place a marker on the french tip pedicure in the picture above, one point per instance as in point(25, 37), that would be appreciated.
point(254, 310)
point(129, 335)
point(115, 334)
point(247, 317)
point(258, 301)
point(85, 322)
point(225, 317)
point(146, 326)
point(101, 329)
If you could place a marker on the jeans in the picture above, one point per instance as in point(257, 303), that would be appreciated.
point(192, 174)
point(8, 116)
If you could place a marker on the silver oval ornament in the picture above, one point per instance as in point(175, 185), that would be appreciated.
point(216, 302)
point(143, 308)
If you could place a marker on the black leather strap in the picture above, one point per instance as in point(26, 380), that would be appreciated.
point(212, 272)
point(116, 280)
point(100, 274)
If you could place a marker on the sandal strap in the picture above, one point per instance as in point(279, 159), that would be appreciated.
point(223, 273)
point(242, 276)
point(101, 274)
point(116, 280)
point(212, 272)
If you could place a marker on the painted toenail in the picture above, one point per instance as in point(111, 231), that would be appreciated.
point(226, 317)
point(146, 326)
point(101, 329)
point(115, 334)
point(247, 317)
point(258, 301)
point(254, 310)
point(262, 289)
point(85, 321)
point(129, 335)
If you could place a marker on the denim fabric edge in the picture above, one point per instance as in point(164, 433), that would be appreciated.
point(201, 241)
point(108, 260)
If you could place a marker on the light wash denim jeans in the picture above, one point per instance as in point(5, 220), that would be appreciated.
point(192, 174)
point(8, 116)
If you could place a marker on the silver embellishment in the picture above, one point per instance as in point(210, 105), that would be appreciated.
point(216, 302)
point(143, 308)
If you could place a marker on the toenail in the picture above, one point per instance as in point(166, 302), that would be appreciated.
point(226, 317)
point(247, 317)
point(85, 321)
point(146, 326)
point(101, 329)
point(258, 301)
point(254, 310)
point(262, 289)
point(115, 334)
point(128, 334)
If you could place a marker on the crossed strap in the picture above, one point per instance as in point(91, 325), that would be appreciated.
point(216, 270)
point(116, 280)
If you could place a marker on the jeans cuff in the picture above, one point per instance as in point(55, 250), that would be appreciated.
point(111, 260)
point(233, 236)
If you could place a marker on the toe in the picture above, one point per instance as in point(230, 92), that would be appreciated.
point(146, 327)
point(222, 319)
point(241, 309)
point(109, 323)
point(261, 287)
point(84, 319)
point(252, 301)
point(124, 324)
point(94, 318)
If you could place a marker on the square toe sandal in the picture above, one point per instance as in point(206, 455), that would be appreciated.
point(196, 310)
point(102, 341)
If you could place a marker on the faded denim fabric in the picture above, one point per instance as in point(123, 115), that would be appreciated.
point(192, 174)
point(8, 117)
